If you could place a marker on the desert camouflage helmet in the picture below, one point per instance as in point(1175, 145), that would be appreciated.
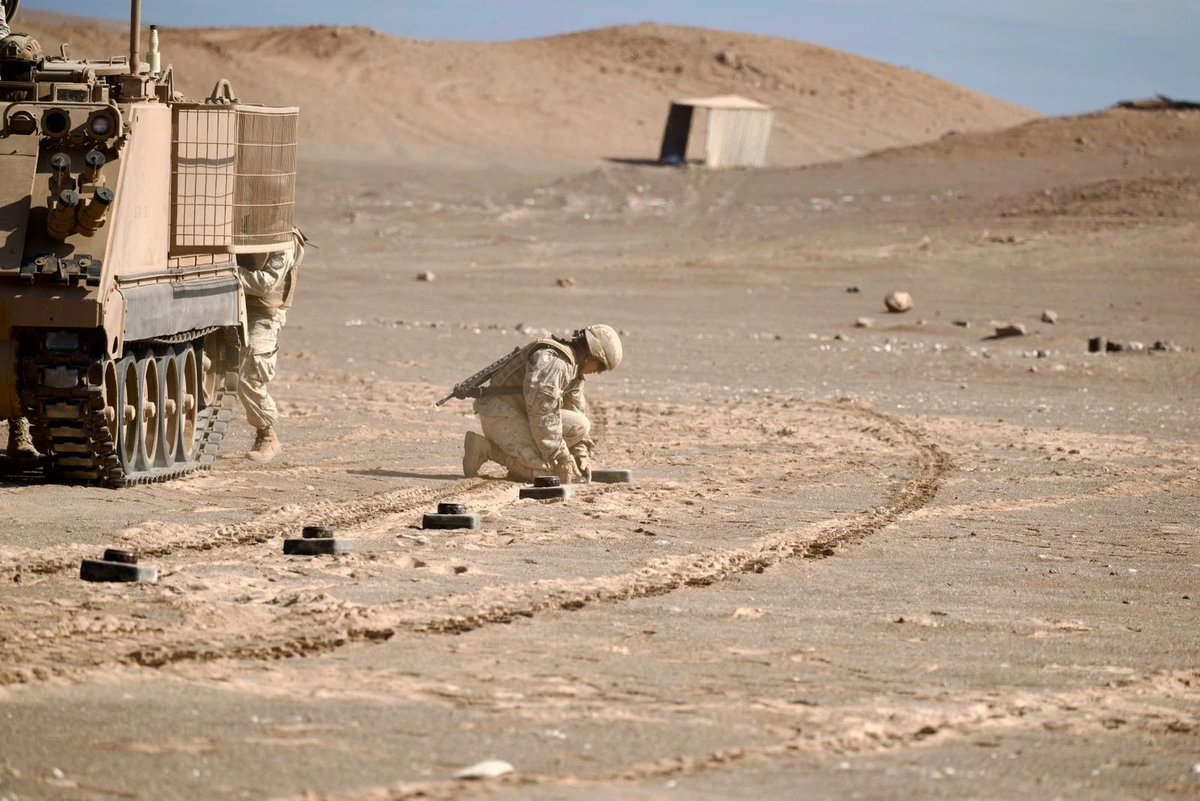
point(604, 344)
point(20, 47)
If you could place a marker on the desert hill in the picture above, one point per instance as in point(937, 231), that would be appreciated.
point(1113, 164)
point(560, 101)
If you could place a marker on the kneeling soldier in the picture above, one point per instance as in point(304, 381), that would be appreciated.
point(532, 410)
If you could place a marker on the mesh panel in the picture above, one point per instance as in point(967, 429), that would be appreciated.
point(205, 158)
point(235, 178)
point(265, 192)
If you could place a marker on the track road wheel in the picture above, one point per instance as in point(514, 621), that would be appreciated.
point(189, 399)
point(128, 420)
point(149, 391)
point(170, 409)
point(111, 389)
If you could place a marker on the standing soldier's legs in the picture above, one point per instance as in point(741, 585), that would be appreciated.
point(256, 371)
point(507, 431)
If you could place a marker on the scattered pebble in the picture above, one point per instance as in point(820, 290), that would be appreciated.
point(426, 276)
point(864, 322)
point(853, 290)
point(898, 302)
point(565, 282)
point(961, 323)
point(488, 769)
point(1050, 316)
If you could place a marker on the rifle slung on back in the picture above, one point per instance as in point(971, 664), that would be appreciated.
point(472, 387)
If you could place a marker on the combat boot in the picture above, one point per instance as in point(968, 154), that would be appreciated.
point(20, 443)
point(266, 446)
point(477, 450)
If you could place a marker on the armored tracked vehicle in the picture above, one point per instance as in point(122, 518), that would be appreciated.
point(122, 209)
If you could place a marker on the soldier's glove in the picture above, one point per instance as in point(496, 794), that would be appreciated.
point(564, 467)
point(584, 464)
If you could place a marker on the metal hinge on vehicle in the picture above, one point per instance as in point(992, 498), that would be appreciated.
point(71, 270)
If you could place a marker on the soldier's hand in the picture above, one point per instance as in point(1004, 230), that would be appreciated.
point(565, 468)
point(584, 464)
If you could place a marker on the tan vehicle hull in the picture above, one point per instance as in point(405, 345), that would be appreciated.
point(122, 209)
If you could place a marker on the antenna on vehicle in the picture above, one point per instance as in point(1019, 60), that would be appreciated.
point(135, 36)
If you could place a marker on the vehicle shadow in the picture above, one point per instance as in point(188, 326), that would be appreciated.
point(21, 473)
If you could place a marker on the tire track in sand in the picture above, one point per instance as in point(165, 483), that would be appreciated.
point(278, 523)
point(1150, 704)
point(325, 631)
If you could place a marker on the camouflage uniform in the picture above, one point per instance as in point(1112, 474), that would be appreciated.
point(270, 283)
point(4, 29)
point(538, 423)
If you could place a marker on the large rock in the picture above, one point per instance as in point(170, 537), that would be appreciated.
point(898, 302)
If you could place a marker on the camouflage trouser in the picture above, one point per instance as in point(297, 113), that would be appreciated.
point(257, 370)
point(512, 443)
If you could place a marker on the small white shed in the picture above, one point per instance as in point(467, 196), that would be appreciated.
point(739, 130)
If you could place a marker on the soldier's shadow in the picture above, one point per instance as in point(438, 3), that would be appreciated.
point(379, 473)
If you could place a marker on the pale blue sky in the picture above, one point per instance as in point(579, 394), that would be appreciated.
point(1055, 56)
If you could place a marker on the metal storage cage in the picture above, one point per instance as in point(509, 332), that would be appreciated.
point(234, 178)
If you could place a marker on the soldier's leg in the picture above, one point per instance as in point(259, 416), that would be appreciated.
point(20, 441)
point(477, 451)
point(512, 444)
point(255, 374)
point(576, 428)
point(256, 371)
point(577, 433)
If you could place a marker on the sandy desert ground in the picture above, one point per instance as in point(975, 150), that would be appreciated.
point(901, 560)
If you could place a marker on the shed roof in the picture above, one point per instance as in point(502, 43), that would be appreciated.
point(723, 102)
